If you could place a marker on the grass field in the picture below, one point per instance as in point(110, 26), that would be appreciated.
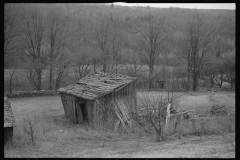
point(57, 137)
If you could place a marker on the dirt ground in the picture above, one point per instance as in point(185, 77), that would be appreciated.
point(58, 138)
point(208, 147)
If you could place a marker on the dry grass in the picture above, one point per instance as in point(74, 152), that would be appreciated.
point(57, 137)
point(201, 103)
point(217, 124)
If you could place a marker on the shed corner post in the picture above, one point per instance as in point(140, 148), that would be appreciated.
point(94, 112)
point(135, 101)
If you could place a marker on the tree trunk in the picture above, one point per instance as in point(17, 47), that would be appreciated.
point(50, 77)
point(195, 82)
point(11, 79)
point(158, 137)
point(212, 83)
point(39, 79)
point(188, 78)
point(104, 63)
point(104, 67)
point(56, 85)
point(150, 75)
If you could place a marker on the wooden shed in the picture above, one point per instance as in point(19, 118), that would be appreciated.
point(8, 121)
point(159, 84)
point(82, 100)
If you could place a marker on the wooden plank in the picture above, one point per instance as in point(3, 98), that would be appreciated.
point(89, 111)
point(64, 104)
point(73, 110)
point(95, 113)
point(125, 111)
point(79, 112)
point(73, 116)
point(117, 125)
point(69, 109)
point(135, 100)
point(167, 116)
point(119, 117)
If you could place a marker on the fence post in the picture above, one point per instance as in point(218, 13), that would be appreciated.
point(167, 116)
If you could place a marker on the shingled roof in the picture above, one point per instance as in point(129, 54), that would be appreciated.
point(97, 85)
point(8, 114)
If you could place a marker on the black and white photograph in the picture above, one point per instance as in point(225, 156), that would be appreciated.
point(119, 80)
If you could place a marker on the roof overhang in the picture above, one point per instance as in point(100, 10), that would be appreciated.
point(88, 98)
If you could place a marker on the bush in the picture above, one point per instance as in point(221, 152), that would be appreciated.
point(207, 123)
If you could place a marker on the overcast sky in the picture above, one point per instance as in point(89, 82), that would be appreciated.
point(184, 5)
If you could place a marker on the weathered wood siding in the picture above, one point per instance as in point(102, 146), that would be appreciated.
point(64, 104)
point(73, 110)
point(95, 112)
point(89, 106)
point(127, 93)
point(79, 112)
point(69, 106)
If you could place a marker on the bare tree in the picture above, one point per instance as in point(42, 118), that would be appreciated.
point(217, 68)
point(60, 70)
point(135, 65)
point(57, 40)
point(154, 111)
point(211, 74)
point(196, 45)
point(225, 71)
point(152, 41)
point(229, 66)
point(219, 79)
point(62, 63)
point(109, 40)
point(11, 80)
point(183, 54)
point(33, 45)
point(83, 64)
point(62, 67)
point(10, 33)
point(30, 129)
point(102, 35)
point(116, 44)
point(94, 61)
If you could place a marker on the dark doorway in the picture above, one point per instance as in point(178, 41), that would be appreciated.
point(81, 111)
point(84, 112)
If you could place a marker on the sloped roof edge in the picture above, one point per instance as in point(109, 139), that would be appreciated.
point(94, 86)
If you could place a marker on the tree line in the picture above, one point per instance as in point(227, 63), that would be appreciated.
point(45, 39)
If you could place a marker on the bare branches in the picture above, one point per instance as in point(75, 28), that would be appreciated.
point(11, 80)
point(196, 46)
point(57, 41)
point(83, 66)
point(109, 40)
point(152, 40)
point(102, 35)
point(62, 64)
point(135, 65)
point(117, 41)
point(155, 112)
point(30, 129)
point(10, 32)
point(33, 45)
point(60, 70)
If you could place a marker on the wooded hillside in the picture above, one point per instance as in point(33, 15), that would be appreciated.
point(86, 36)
